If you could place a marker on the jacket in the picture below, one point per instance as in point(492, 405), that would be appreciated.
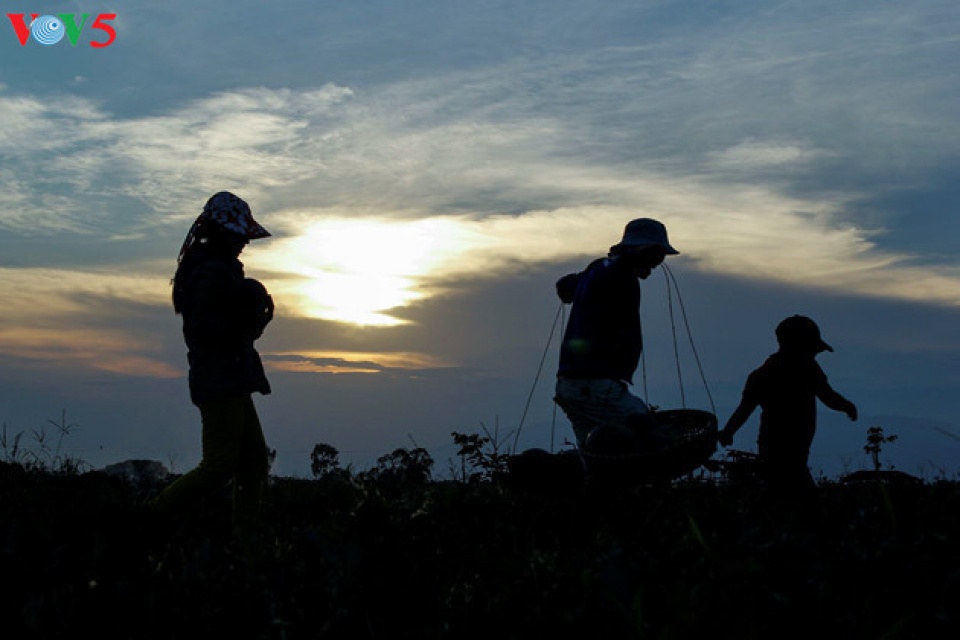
point(223, 314)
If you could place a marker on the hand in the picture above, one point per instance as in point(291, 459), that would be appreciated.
point(261, 306)
point(268, 310)
point(266, 315)
point(851, 412)
point(725, 438)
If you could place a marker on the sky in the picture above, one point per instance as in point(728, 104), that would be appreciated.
point(429, 169)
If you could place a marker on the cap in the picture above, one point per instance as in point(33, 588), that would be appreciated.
point(801, 331)
point(233, 213)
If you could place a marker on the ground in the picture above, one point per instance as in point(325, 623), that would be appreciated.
point(348, 555)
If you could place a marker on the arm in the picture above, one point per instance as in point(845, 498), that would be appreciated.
point(835, 401)
point(259, 305)
point(567, 287)
point(736, 420)
point(226, 311)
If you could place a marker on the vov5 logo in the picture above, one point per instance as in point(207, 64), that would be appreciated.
point(48, 30)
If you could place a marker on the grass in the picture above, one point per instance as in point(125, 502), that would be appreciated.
point(387, 554)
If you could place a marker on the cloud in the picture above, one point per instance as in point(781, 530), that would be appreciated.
point(350, 362)
point(753, 155)
point(74, 347)
point(786, 146)
point(336, 266)
point(49, 292)
point(755, 138)
point(72, 160)
point(76, 319)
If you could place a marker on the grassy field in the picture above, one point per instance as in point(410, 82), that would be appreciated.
point(395, 554)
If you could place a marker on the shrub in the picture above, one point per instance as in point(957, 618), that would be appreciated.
point(402, 466)
point(324, 460)
point(480, 457)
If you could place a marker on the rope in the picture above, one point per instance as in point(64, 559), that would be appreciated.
point(536, 378)
point(693, 347)
point(672, 286)
point(553, 419)
point(676, 350)
point(643, 364)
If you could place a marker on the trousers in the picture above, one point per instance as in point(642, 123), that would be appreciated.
point(234, 449)
point(592, 402)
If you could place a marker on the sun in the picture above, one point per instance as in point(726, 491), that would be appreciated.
point(358, 271)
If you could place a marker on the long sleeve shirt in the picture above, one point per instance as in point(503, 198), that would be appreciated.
point(603, 337)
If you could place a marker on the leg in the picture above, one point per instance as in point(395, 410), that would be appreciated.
point(576, 399)
point(251, 471)
point(593, 402)
point(222, 424)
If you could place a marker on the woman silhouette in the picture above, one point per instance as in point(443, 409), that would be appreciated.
point(223, 314)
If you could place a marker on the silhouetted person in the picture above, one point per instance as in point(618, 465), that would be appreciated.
point(786, 388)
point(602, 342)
point(223, 314)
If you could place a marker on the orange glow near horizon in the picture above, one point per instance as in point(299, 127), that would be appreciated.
point(348, 361)
point(88, 348)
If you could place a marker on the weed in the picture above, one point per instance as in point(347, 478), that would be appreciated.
point(415, 557)
point(46, 454)
point(875, 441)
point(482, 458)
point(12, 453)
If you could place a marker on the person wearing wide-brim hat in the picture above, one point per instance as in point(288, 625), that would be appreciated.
point(602, 342)
point(224, 313)
point(786, 387)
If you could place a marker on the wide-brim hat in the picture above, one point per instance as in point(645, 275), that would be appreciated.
point(801, 331)
point(233, 213)
point(642, 233)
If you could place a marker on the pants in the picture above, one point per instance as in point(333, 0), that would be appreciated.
point(233, 449)
point(592, 402)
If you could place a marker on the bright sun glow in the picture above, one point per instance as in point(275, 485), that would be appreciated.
point(365, 270)
point(357, 271)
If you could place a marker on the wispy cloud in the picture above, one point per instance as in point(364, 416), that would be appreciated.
point(429, 167)
point(74, 347)
point(376, 264)
point(71, 318)
point(756, 156)
point(728, 131)
point(350, 362)
point(89, 175)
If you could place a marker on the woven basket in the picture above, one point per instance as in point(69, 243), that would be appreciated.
point(693, 440)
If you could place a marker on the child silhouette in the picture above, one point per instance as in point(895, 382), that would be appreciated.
point(786, 387)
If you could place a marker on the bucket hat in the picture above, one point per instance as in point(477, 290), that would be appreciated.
point(644, 232)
